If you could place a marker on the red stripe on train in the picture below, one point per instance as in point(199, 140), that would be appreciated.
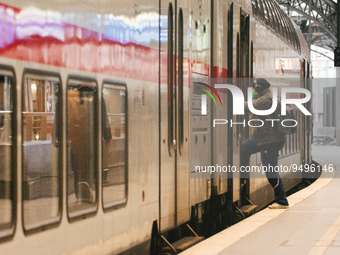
point(63, 47)
point(52, 42)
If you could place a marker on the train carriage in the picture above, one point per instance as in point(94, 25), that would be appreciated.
point(101, 122)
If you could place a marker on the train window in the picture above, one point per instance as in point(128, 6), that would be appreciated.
point(7, 160)
point(41, 170)
point(82, 171)
point(114, 147)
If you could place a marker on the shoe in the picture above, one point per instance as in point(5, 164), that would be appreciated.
point(278, 206)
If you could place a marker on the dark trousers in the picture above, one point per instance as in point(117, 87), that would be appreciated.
point(269, 157)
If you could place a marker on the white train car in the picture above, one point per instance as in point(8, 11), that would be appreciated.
point(101, 124)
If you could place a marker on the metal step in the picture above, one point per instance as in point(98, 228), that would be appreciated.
point(248, 210)
point(184, 243)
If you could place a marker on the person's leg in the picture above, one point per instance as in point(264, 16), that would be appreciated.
point(248, 147)
point(269, 155)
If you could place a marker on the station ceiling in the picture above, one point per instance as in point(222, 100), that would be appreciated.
point(321, 13)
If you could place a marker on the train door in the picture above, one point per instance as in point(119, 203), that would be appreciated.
point(243, 75)
point(201, 107)
point(174, 152)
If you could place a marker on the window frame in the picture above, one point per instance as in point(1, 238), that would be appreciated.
point(4, 69)
point(117, 84)
point(88, 80)
point(44, 74)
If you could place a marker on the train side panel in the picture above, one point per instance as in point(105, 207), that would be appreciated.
point(92, 40)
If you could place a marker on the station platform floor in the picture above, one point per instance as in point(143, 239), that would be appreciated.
point(311, 225)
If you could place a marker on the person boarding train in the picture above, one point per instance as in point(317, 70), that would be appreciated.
point(266, 140)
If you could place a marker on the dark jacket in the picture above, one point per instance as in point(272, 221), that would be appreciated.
point(265, 134)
